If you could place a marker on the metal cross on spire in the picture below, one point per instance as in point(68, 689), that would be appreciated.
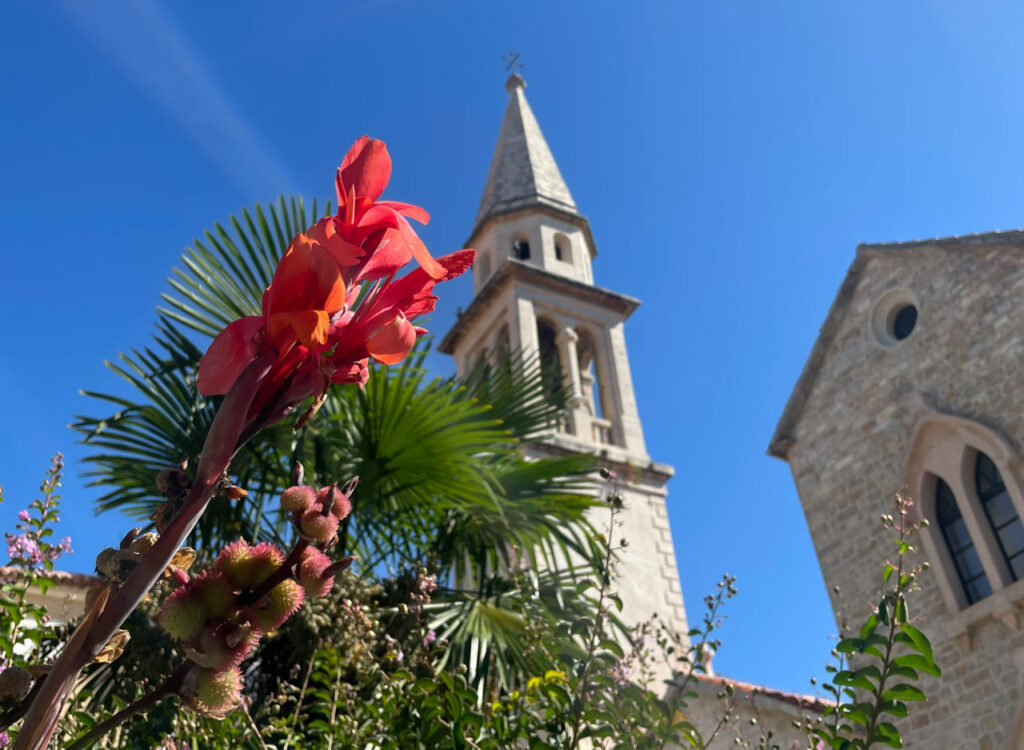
point(512, 61)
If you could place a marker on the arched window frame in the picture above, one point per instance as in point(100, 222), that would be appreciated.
point(603, 390)
point(562, 247)
point(945, 446)
point(557, 364)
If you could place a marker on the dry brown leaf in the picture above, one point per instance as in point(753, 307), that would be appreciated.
point(114, 648)
point(182, 560)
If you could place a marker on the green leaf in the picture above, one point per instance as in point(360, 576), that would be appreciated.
point(869, 626)
point(904, 692)
point(907, 673)
point(849, 645)
point(612, 646)
point(895, 708)
point(919, 662)
point(916, 639)
point(582, 625)
point(861, 678)
point(887, 734)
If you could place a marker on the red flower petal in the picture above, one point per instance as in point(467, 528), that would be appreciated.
point(307, 278)
point(456, 263)
point(354, 373)
point(325, 234)
point(366, 167)
point(230, 353)
point(308, 326)
point(392, 343)
point(407, 209)
point(389, 254)
point(417, 285)
point(419, 251)
point(374, 219)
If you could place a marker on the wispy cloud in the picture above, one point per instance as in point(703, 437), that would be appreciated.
point(142, 40)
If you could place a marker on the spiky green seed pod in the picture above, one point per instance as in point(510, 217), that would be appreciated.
point(317, 526)
point(272, 610)
point(298, 498)
point(214, 592)
point(217, 693)
point(311, 573)
point(247, 566)
point(341, 506)
point(182, 616)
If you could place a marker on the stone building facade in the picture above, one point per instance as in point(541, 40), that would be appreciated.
point(913, 385)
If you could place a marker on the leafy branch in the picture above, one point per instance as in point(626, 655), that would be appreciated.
point(885, 658)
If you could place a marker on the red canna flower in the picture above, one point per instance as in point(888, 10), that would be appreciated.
point(317, 318)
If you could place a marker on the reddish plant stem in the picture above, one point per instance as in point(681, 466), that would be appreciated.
point(103, 620)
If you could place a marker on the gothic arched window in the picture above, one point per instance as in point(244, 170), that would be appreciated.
point(961, 546)
point(1001, 514)
point(976, 538)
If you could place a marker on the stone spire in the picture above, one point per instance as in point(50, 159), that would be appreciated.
point(523, 172)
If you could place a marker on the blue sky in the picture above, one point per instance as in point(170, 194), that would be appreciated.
point(729, 155)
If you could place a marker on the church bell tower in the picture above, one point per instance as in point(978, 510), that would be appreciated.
point(534, 293)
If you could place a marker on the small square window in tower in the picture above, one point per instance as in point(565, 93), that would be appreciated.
point(521, 249)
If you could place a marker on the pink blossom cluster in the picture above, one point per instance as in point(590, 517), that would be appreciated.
point(620, 673)
point(23, 549)
point(422, 588)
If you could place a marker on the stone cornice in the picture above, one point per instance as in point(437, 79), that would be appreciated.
point(512, 270)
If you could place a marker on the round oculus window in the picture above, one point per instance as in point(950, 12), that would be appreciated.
point(894, 317)
point(903, 322)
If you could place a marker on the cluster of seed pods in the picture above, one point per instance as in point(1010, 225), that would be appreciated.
point(219, 615)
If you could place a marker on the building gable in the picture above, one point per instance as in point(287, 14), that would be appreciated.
point(868, 258)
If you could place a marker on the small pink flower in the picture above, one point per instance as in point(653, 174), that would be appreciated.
point(23, 515)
